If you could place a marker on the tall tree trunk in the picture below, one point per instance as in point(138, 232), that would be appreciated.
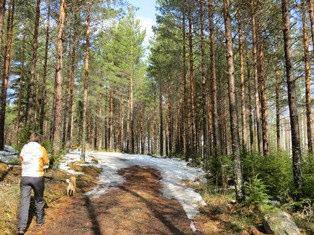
point(130, 122)
point(170, 126)
point(311, 12)
point(307, 68)
point(242, 81)
point(213, 75)
point(57, 123)
point(232, 105)
point(111, 118)
point(278, 109)
point(73, 66)
point(44, 81)
point(203, 74)
point(161, 127)
point(85, 82)
point(122, 140)
point(263, 99)
point(6, 71)
point(251, 121)
point(33, 81)
point(2, 15)
point(21, 92)
point(292, 98)
point(185, 99)
point(95, 139)
point(255, 65)
point(192, 86)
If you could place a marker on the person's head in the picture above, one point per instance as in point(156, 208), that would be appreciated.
point(34, 137)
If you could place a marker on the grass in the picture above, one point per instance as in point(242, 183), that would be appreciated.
point(55, 190)
point(9, 197)
point(3, 169)
point(221, 210)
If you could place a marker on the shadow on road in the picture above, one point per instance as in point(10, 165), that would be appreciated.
point(92, 215)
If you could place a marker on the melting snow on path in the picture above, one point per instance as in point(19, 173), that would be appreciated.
point(173, 173)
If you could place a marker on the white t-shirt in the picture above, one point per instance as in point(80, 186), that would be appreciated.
point(34, 158)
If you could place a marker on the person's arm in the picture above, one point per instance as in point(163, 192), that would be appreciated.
point(21, 155)
point(44, 156)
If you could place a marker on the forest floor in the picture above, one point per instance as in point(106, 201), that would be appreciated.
point(139, 196)
point(136, 207)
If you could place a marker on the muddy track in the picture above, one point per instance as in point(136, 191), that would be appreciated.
point(136, 207)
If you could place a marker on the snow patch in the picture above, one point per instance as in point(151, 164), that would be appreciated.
point(173, 172)
point(193, 227)
point(9, 155)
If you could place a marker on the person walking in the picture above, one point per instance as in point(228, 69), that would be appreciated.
point(33, 157)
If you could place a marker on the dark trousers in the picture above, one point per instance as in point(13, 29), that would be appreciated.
point(27, 185)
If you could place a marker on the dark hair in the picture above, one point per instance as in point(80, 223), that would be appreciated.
point(35, 137)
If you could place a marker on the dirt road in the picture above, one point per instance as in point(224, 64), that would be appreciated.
point(136, 207)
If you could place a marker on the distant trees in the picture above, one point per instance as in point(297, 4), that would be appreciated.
point(256, 70)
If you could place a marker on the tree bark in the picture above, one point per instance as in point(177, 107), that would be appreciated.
point(251, 120)
point(111, 118)
point(204, 82)
point(32, 99)
point(170, 127)
point(192, 86)
point(185, 99)
point(278, 109)
point(255, 66)
point(130, 121)
point(242, 81)
point(213, 75)
point(73, 66)
point(57, 123)
point(307, 68)
point(85, 82)
point(6, 70)
point(161, 127)
point(232, 105)
point(263, 98)
point(44, 79)
point(21, 91)
point(311, 13)
point(294, 122)
point(2, 16)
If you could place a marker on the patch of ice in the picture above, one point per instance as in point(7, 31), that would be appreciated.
point(173, 172)
point(70, 158)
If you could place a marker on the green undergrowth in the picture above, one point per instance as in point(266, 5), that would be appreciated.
point(221, 207)
point(268, 187)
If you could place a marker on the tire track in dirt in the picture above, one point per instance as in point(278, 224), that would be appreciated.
point(136, 207)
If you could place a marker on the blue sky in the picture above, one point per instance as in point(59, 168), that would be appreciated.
point(146, 14)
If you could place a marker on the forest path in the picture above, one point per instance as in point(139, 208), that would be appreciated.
point(135, 207)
